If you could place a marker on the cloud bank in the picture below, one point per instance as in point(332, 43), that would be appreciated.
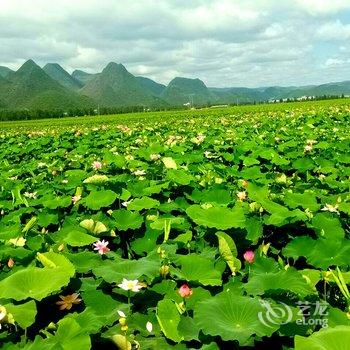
point(225, 43)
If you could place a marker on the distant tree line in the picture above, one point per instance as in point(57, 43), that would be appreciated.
point(30, 114)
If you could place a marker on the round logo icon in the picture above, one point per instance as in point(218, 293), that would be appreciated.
point(275, 314)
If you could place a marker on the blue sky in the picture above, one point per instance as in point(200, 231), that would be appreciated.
point(223, 42)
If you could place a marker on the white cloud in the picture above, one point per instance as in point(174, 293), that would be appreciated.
point(323, 7)
point(332, 62)
point(334, 30)
point(223, 42)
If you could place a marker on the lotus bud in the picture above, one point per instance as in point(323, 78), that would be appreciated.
point(124, 328)
point(249, 256)
point(151, 217)
point(281, 179)
point(254, 206)
point(122, 321)
point(52, 326)
point(164, 270)
point(61, 247)
point(185, 291)
point(10, 263)
point(265, 248)
point(121, 342)
point(218, 180)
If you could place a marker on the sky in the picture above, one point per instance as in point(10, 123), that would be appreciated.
point(223, 42)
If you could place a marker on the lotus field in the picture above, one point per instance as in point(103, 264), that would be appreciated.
point(208, 229)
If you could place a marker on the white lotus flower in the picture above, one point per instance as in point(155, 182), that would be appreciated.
point(126, 203)
point(132, 285)
point(139, 172)
point(121, 313)
point(30, 195)
point(242, 195)
point(330, 208)
point(155, 156)
point(149, 326)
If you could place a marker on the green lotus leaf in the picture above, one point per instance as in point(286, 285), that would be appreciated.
point(102, 305)
point(96, 179)
point(89, 320)
point(289, 280)
point(320, 253)
point(303, 164)
point(115, 271)
point(125, 219)
point(188, 329)
point(169, 318)
point(254, 229)
point(175, 222)
point(336, 317)
point(143, 203)
point(94, 227)
point(180, 176)
point(337, 338)
point(84, 261)
point(199, 269)
point(57, 202)
point(305, 200)
point(69, 335)
point(232, 317)
point(217, 217)
point(98, 199)
point(169, 163)
point(228, 251)
point(37, 283)
point(215, 196)
point(45, 219)
point(23, 314)
point(328, 226)
point(76, 238)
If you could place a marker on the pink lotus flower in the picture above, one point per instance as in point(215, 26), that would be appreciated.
point(96, 165)
point(101, 247)
point(76, 199)
point(185, 291)
point(249, 256)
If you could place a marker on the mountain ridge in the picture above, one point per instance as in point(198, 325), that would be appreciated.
point(30, 87)
point(52, 87)
point(56, 72)
point(115, 86)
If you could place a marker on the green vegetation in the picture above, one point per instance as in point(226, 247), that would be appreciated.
point(205, 229)
point(30, 87)
point(56, 72)
point(115, 86)
point(183, 90)
point(32, 92)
